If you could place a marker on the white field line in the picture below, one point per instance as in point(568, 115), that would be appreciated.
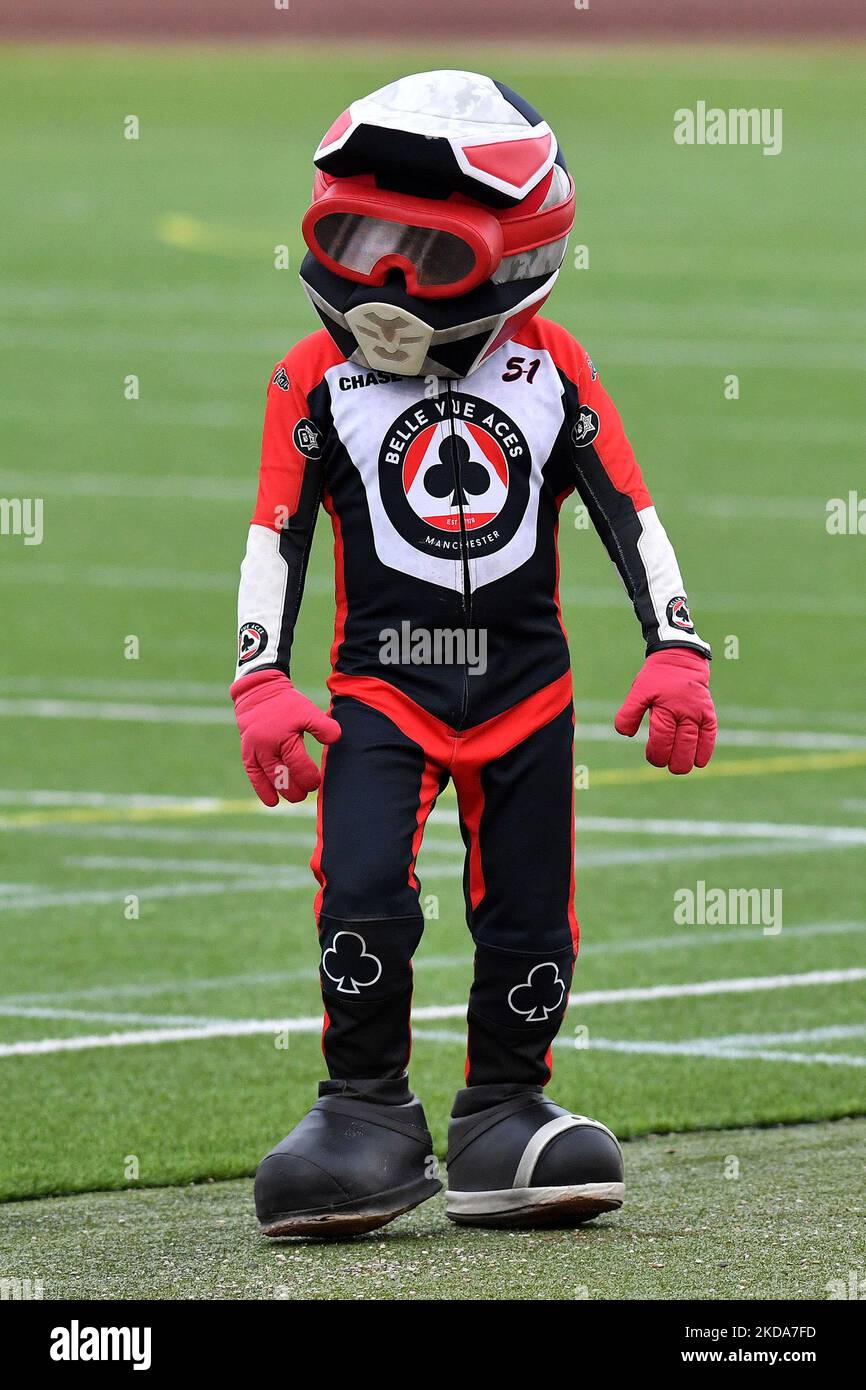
point(115, 711)
point(203, 415)
point(812, 510)
point(629, 350)
point(762, 714)
point(744, 738)
point(749, 715)
point(128, 712)
point(434, 1013)
point(699, 937)
point(616, 825)
point(289, 880)
point(226, 866)
point(304, 839)
point(143, 487)
point(724, 602)
point(274, 876)
point(749, 984)
point(131, 687)
point(296, 839)
point(712, 829)
point(747, 1054)
point(104, 1016)
point(679, 941)
point(146, 989)
point(841, 605)
point(175, 835)
point(697, 1048)
point(56, 575)
point(48, 798)
point(833, 1032)
point(707, 1048)
point(185, 487)
point(155, 688)
point(172, 866)
point(151, 1036)
point(585, 860)
point(226, 307)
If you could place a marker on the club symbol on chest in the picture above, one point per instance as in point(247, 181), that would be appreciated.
point(472, 478)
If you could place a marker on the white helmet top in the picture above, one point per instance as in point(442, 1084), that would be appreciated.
point(501, 146)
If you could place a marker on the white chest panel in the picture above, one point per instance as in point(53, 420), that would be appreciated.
point(402, 436)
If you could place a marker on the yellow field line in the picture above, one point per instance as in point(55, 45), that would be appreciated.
point(604, 777)
point(85, 815)
point(188, 233)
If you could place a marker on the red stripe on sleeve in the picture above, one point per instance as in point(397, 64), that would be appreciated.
point(282, 464)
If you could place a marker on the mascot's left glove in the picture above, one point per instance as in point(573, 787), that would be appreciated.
point(272, 718)
point(673, 685)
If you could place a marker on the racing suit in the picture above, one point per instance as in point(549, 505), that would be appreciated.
point(449, 661)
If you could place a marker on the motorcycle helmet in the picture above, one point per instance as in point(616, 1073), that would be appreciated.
point(440, 217)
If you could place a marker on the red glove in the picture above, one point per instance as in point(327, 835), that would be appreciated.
point(674, 686)
point(272, 716)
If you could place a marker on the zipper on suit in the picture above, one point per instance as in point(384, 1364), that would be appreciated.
point(466, 597)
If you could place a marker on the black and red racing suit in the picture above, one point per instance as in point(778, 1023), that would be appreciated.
point(449, 661)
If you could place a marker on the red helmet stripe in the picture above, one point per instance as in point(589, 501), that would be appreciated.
point(512, 325)
point(512, 161)
point(340, 126)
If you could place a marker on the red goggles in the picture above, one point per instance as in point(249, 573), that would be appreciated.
point(442, 247)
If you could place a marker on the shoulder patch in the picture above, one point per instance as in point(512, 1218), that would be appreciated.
point(281, 378)
point(585, 427)
point(307, 438)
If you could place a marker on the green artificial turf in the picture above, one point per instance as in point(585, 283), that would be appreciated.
point(155, 258)
point(733, 1214)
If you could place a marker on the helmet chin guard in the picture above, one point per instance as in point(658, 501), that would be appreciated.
point(440, 216)
point(454, 343)
point(390, 339)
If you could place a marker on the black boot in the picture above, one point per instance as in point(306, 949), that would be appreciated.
point(360, 1157)
point(517, 1159)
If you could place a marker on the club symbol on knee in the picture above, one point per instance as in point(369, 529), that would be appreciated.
point(349, 964)
point(540, 994)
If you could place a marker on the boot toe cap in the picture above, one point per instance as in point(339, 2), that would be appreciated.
point(585, 1154)
point(287, 1184)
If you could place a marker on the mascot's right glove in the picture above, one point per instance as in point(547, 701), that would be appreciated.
point(272, 718)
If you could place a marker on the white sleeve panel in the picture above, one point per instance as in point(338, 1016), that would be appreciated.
point(664, 582)
point(261, 600)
